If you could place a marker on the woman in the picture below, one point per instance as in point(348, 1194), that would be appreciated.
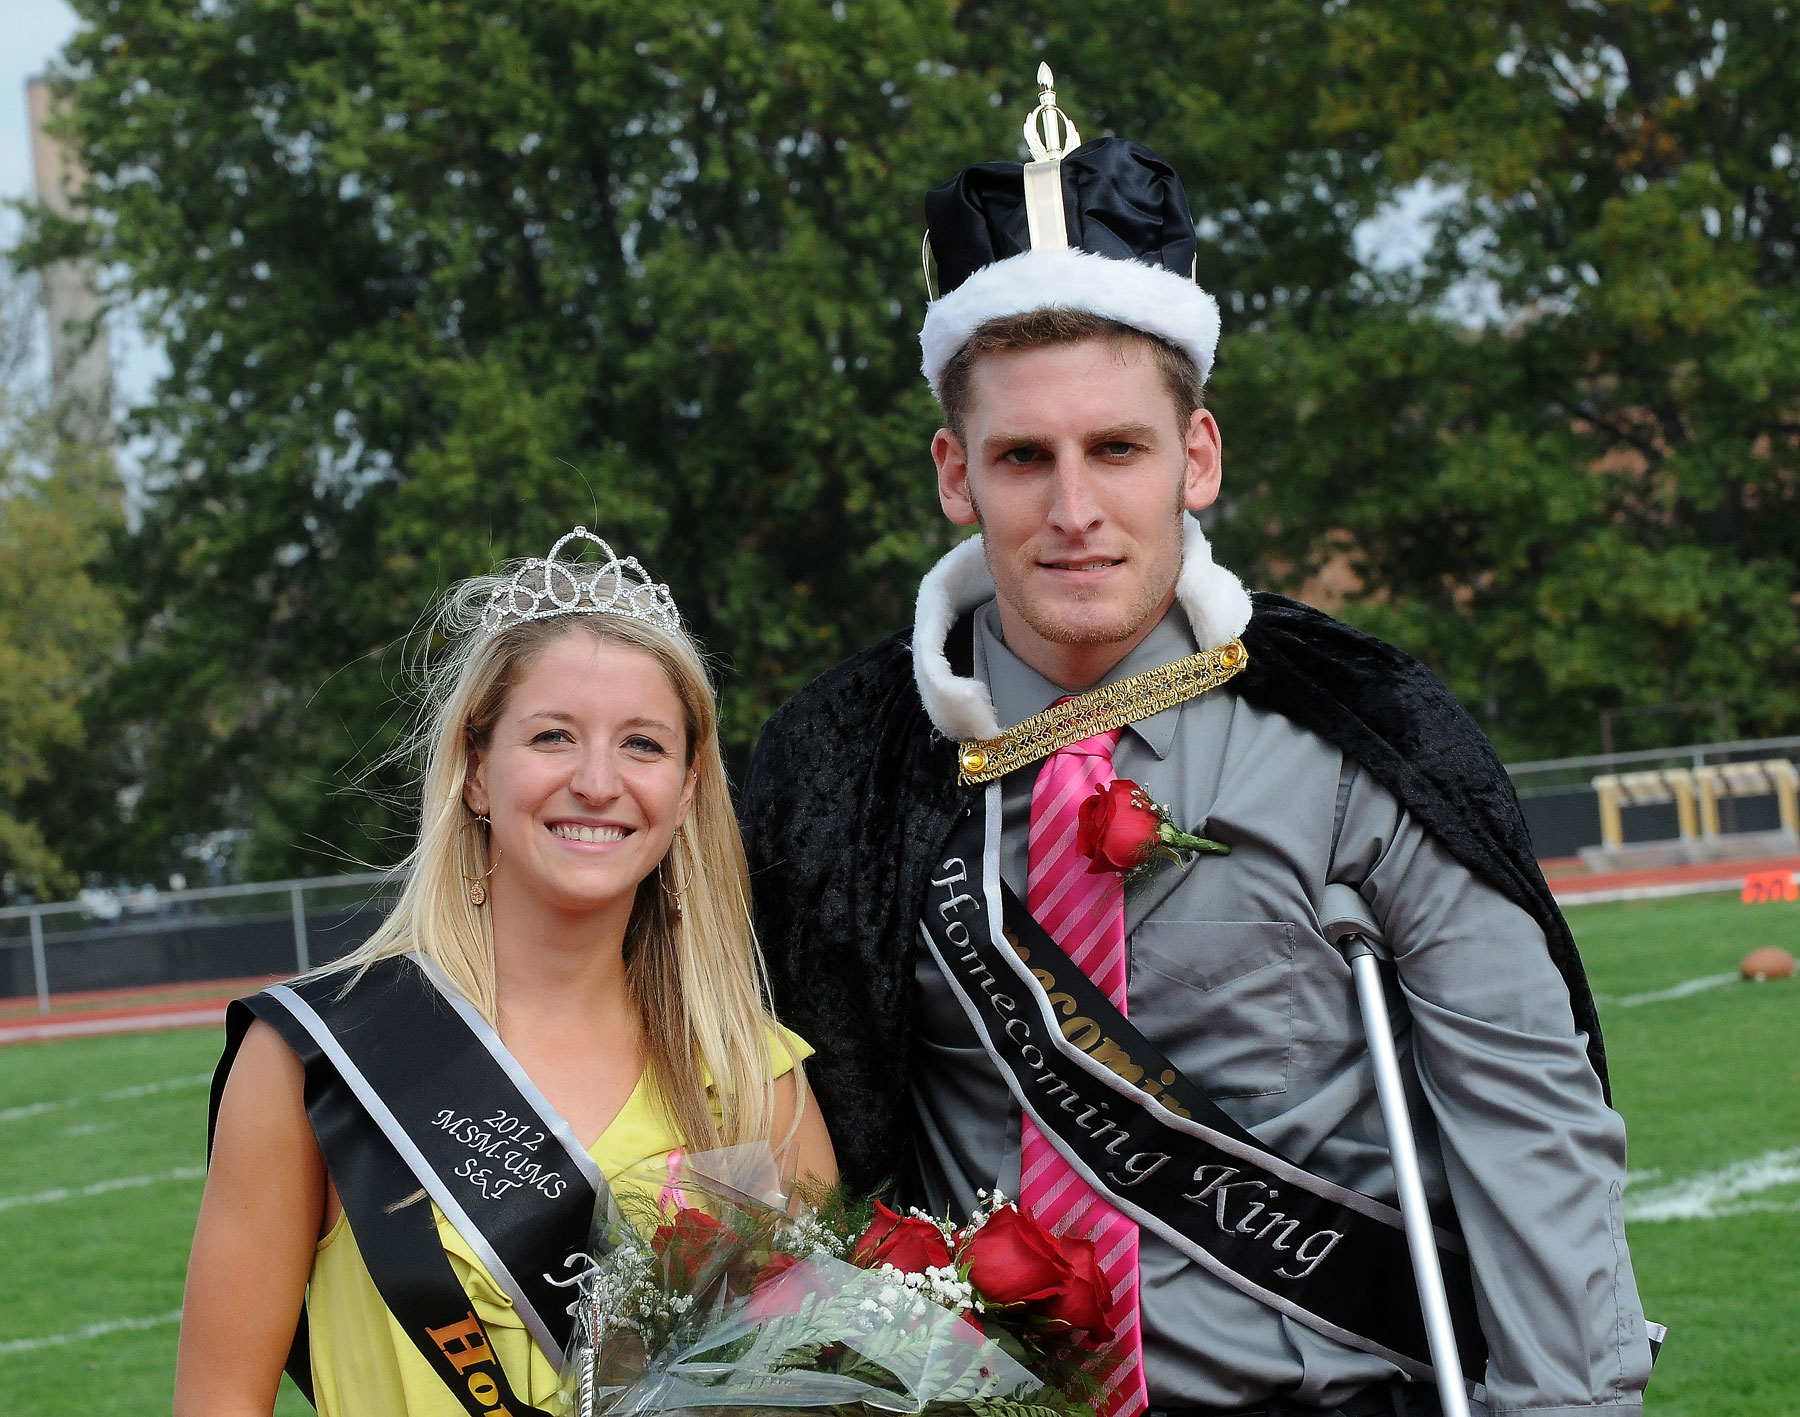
point(568, 986)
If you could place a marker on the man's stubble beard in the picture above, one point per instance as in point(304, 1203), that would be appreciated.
point(1050, 630)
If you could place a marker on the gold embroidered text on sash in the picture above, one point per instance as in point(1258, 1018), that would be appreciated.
point(1099, 710)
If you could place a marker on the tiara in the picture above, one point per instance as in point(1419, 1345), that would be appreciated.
point(611, 586)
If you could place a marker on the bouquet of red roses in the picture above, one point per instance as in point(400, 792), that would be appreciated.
point(714, 1296)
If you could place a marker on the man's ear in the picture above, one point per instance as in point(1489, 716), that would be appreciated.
point(1205, 462)
point(475, 793)
point(952, 462)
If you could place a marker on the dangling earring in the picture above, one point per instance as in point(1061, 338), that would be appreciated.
point(478, 891)
point(676, 895)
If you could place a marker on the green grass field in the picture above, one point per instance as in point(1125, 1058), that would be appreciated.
point(101, 1143)
point(1705, 1081)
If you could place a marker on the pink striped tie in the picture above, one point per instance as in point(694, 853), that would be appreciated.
point(1085, 914)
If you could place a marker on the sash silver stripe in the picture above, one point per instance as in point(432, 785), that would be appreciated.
point(1306, 1181)
point(553, 1120)
point(415, 1160)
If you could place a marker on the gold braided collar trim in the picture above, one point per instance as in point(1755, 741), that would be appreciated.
point(1098, 711)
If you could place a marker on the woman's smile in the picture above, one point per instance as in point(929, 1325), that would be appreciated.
point(588, 835)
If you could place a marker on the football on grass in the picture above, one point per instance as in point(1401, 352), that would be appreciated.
point(1770, 962)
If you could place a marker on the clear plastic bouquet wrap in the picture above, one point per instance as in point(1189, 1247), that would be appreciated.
point(706, 1293)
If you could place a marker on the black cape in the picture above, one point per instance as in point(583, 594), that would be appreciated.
point(852, 791)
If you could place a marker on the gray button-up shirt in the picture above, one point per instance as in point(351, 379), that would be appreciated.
point(1231, 977)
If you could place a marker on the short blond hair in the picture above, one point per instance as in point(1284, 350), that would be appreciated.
point(1054, 325)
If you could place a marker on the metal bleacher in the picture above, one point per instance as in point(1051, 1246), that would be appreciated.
point(1706, 829)
point(1664, 807)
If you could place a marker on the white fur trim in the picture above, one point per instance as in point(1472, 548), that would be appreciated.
point(1147, 298)
point(959, 708)
point(1217, 605)
point(1215, 601)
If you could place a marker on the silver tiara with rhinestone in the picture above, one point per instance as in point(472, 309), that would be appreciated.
point(609, 586)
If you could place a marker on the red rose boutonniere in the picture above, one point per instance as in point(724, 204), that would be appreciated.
point(1120, 829)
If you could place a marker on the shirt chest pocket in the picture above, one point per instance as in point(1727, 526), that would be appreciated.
point(1217, 996)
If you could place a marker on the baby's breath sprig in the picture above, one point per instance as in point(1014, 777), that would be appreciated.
point(986, 1203)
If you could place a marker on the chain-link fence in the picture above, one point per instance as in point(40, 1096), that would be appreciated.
point(146, 939)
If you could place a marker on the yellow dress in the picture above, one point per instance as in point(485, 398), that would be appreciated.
point(364, 1365)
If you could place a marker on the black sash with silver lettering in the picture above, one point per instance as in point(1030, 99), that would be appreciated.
point(1157, 1148)
point(411, 1095)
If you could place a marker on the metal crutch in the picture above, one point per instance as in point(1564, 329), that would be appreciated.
point(1349, 926)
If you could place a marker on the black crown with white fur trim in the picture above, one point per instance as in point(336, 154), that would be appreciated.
point(1104, 227)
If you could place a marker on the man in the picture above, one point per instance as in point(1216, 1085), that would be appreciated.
point(1178, 1067)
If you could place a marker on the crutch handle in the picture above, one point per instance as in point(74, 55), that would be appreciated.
point(1344, 913)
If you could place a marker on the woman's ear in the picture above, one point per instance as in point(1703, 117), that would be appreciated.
point(475, 795)
point(687, 798)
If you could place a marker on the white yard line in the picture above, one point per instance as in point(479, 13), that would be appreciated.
point(118, 1094)
point(1712, 1194)
point(1757, 1208)
point(58, 1194)
point(1674, 991)
point(81, 1335)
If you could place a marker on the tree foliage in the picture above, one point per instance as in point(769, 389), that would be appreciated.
point(58, 629)
point(1592, 501)
point(437, 282)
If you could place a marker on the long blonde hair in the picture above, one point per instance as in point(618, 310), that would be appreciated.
point(696, 975)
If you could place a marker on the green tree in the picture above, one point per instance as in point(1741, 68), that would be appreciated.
point(1591, 498)
point(437, 282)
point(58, 629)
